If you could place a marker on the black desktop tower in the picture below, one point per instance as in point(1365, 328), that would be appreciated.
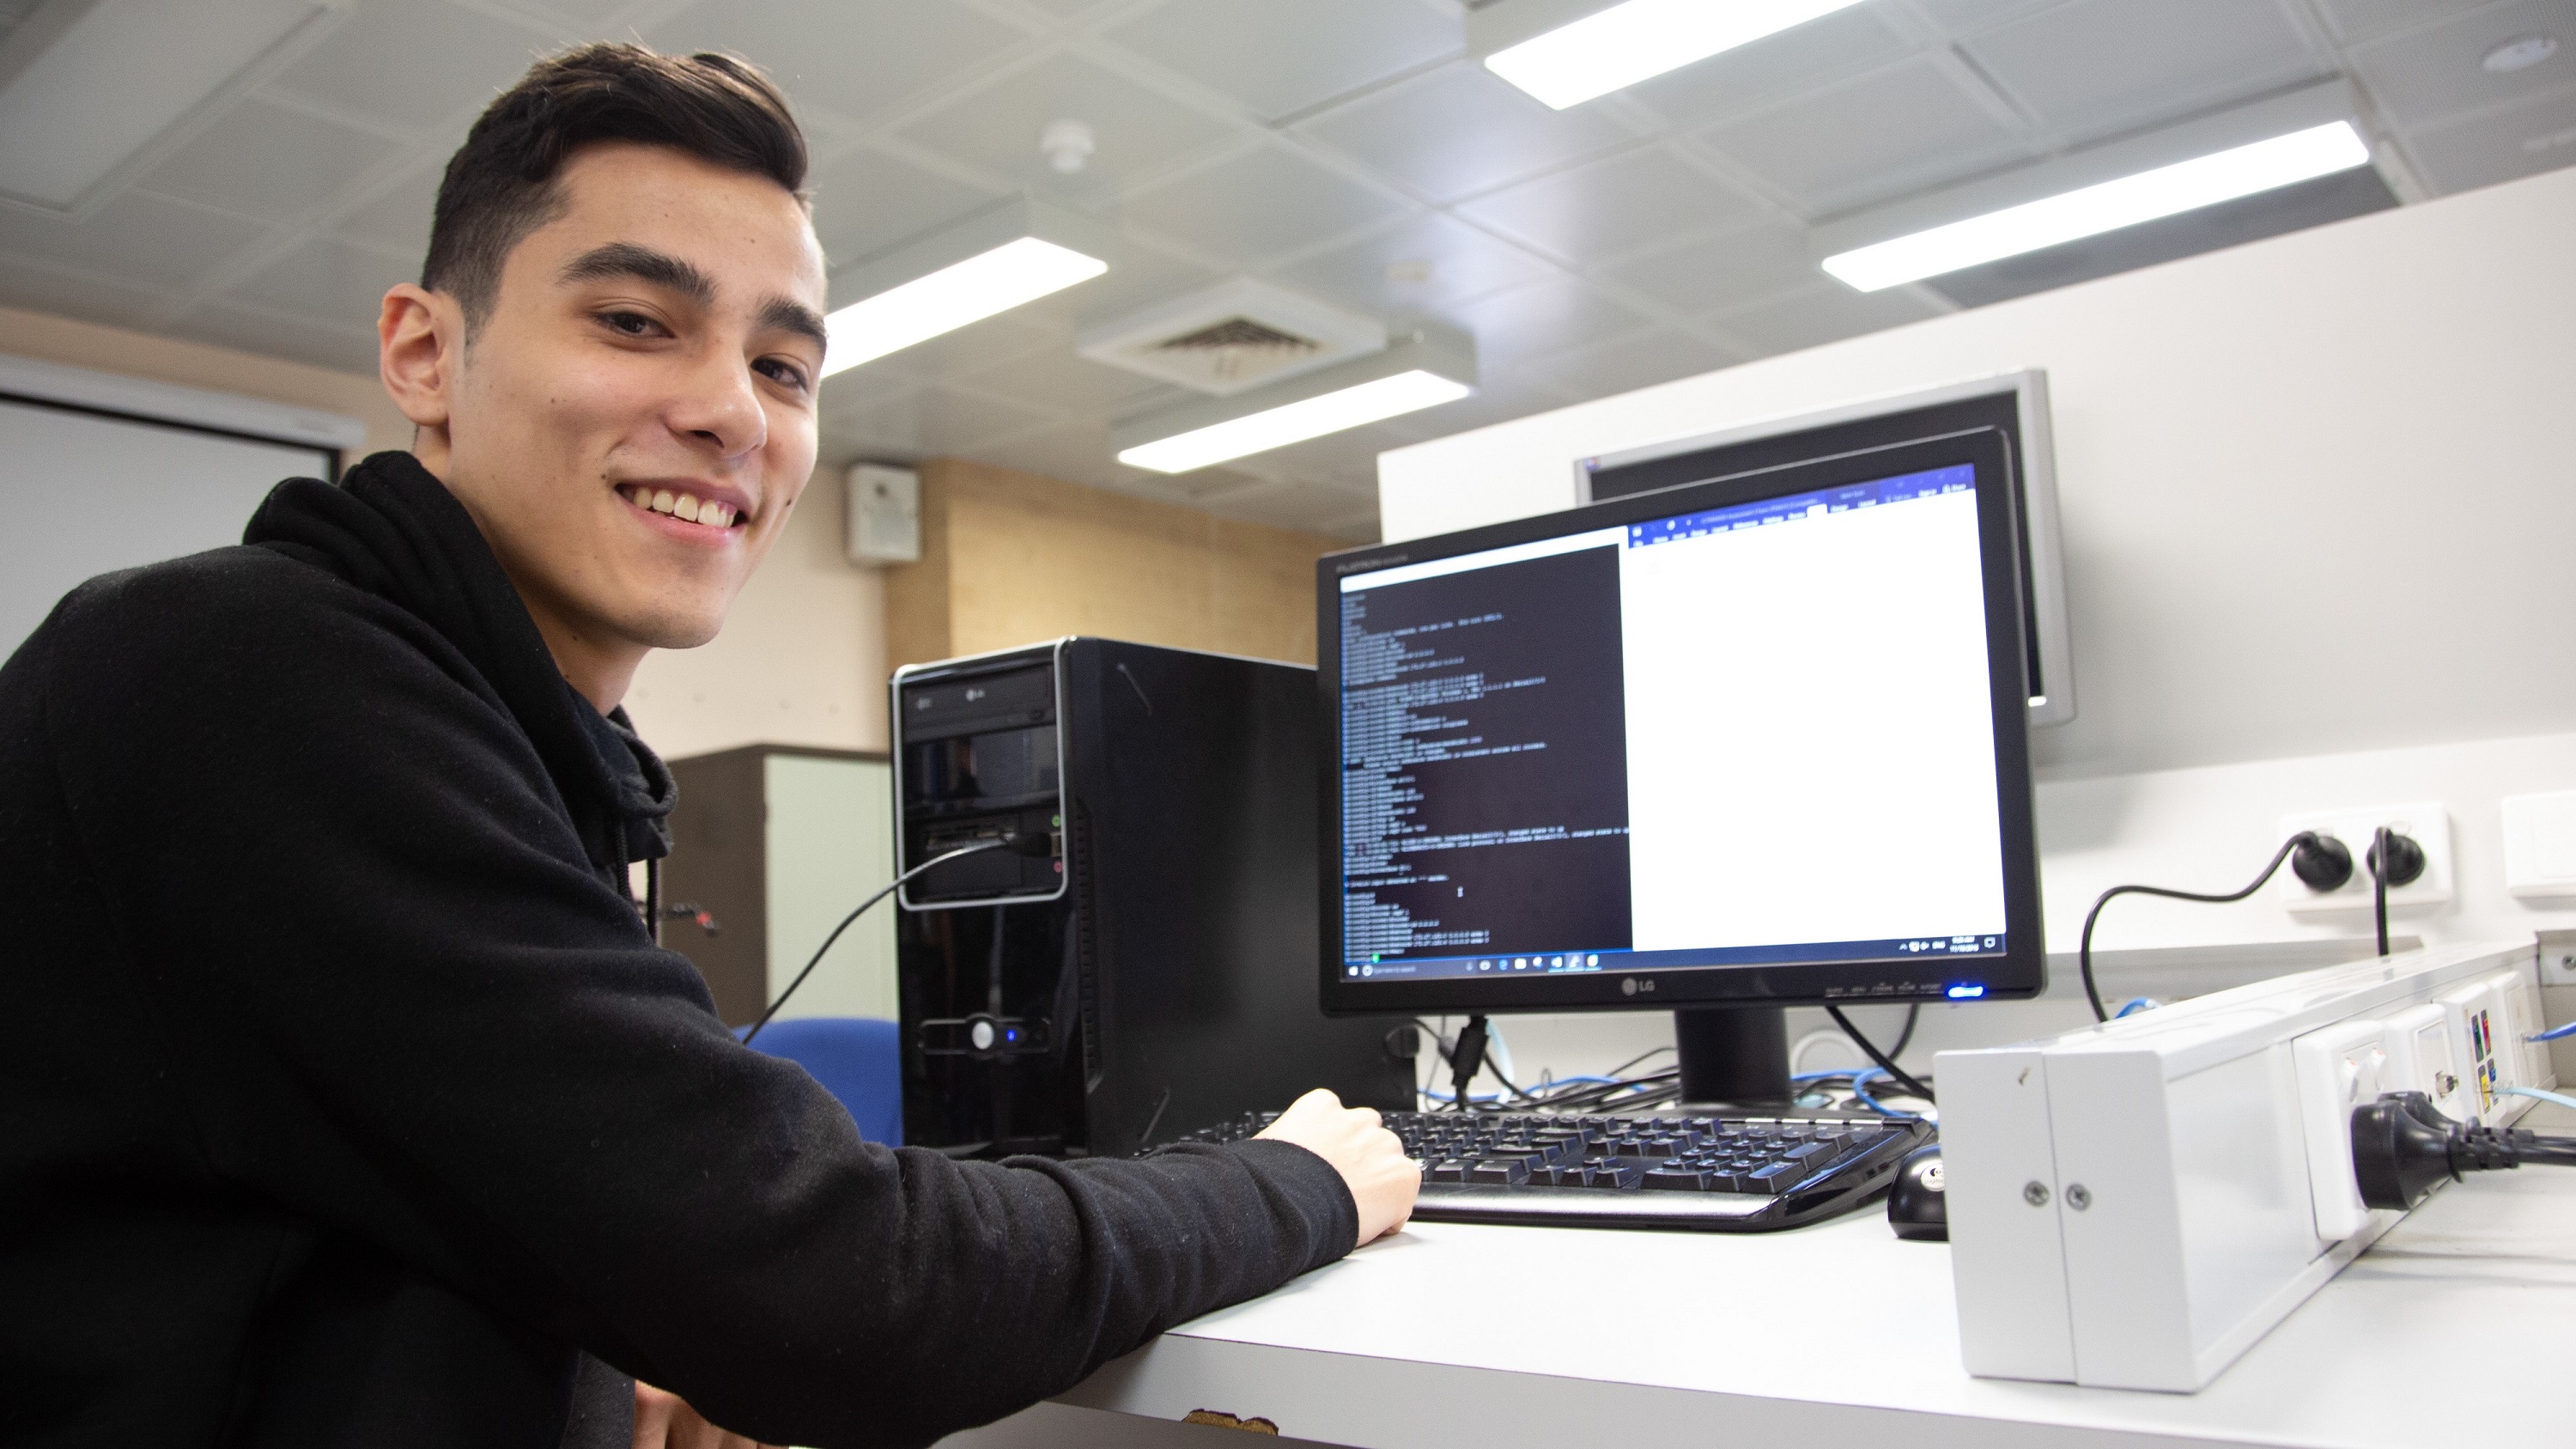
point(1156, 974)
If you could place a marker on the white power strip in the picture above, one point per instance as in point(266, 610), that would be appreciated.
point(2133, 1205)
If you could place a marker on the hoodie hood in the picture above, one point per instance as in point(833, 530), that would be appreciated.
point(392, 529)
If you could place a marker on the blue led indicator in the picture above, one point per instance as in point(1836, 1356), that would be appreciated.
point(1966, 992)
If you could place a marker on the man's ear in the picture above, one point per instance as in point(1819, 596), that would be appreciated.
point(420, 340)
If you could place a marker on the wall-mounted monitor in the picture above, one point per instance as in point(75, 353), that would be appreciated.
point(2015, 404)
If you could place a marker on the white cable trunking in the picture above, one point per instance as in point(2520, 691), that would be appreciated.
point(2133, 1205)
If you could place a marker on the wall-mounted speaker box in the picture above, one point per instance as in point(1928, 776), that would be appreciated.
point(775, 843)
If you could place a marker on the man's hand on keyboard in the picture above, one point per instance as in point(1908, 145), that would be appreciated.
point(664, 1420)
point(1372, 1163)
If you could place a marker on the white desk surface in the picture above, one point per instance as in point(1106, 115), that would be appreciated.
point(1452, 1334)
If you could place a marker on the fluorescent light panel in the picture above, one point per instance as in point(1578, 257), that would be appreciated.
point(2092, 210)
point(1331, 412)
point(955, 295)
point(1630, 42)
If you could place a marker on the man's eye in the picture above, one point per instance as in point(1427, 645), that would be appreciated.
point(632, 324)
point(785, 374)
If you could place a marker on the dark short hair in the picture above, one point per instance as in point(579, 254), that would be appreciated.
point(501, 184)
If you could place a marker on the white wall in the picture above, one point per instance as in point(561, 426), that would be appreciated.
point(2317, 491)
point(801, 660)
point(2319, 496)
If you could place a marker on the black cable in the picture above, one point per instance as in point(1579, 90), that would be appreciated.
point(1905, 1038)
point(1464, 1060)
point(2084, 944)
point(2380, 846)
point(1632, 1061)
point(1886, 1063)
point(854, 914)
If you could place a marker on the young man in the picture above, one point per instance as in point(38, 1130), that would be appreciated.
point(344, 1100)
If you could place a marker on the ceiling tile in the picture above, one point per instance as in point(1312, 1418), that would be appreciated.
point(1611, 206)
point(415, 62)
point(935, 419)
point(2098, 66)
point(1459, 130)
point(1257, 203)
point(328, 280)
point(399, 218)
point(2359, 20)
point(1463, 263)
point(584, 14)
point(1631, 363)
point(1966, 17)
point(137, 238)
point(65, 294)
point(996, 127)
point(1139, 276)
point(854, 57)
point(271, 335)
point(1546, 316)
point(267, 161)
point(1074, 452)
point(867, 201)
point(1826, 312)
point(1724, 271)
point(1071, 384)
point(2434, 73)
point(2519, 140)
point(1278, 59)
point(1831, 48)
point(1897, 131)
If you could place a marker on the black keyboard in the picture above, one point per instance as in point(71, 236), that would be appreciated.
point(1711, 1174)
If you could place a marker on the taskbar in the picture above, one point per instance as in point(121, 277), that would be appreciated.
point(1388, 967)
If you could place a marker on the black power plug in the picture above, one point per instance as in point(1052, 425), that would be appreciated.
point(2395, 860)
point(2403, 1148)
point(2322, 862)
point(2404, 856)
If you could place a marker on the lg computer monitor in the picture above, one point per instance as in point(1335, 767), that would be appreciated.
point(1752, 742)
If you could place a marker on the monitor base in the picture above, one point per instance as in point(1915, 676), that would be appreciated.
point(1733, 1056)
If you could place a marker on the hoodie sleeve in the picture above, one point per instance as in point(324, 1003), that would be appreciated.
point(401, 1003)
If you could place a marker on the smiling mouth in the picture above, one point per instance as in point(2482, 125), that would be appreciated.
point(689, 506)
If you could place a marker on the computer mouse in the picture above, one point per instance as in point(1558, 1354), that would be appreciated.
point(1917, 1207)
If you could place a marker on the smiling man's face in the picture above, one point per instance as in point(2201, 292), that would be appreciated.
point(651, 354)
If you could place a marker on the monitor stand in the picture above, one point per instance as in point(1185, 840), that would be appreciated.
point(1733, 1056)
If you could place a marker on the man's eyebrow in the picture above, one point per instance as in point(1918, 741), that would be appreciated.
point(660, 269)
point(779, 314)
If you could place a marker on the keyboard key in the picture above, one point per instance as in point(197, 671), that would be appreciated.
point(1501, 1171)
point(1677, 1179)
point(1778, 1177)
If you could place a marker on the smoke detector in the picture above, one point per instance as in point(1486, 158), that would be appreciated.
point(1067, 145)
point(1232, 336)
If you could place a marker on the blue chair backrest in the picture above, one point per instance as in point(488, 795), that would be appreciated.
point(855, 1058)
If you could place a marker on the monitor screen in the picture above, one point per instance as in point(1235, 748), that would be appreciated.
point(1758, 739)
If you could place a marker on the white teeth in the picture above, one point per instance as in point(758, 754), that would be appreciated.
point(716, 515)
point(687, 507)
point(663, 502)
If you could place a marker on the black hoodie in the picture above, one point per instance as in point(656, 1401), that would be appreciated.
point(344, 1099)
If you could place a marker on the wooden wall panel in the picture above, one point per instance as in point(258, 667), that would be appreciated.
point(1009, 558)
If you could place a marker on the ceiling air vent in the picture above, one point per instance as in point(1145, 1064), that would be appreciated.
point(1232, 336)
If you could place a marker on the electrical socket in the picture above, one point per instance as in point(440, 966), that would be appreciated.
point(2557, 958)
point(2425, 821)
